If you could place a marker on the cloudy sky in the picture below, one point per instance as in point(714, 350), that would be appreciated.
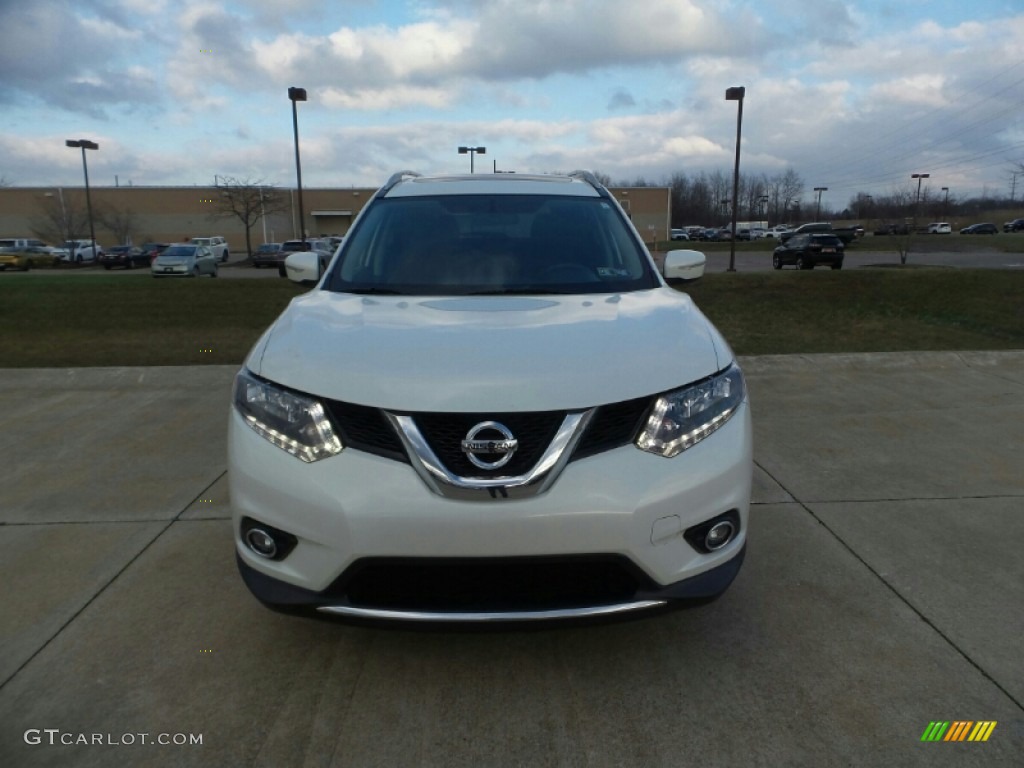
point(854, 95)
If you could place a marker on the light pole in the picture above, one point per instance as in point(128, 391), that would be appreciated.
point(917, 201)
point(736, 93)
point(919, 176)
point(945, 203)
point(472, 152)
point(762, 208)
point(298, 94)
point(817, 208)
point(85, 144)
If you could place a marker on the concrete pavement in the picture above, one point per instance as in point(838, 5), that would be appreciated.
point(883, 589)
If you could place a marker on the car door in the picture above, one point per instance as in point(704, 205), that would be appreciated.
point(206, 260)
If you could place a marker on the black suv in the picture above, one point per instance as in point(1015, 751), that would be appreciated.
point(809, 250)
point(1017, 225)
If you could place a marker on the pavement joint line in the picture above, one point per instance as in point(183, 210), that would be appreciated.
point(899, 596)
point(112, 522)
point(896, 498)
point(104, 587)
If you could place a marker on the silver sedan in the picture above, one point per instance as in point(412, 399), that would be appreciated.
point(185, 260)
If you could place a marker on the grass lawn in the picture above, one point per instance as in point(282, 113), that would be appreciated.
point(66, 320)
point(96, 320)
point(865, 310)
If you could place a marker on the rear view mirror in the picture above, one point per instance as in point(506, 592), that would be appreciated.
point(683, 266)
point(303, 267)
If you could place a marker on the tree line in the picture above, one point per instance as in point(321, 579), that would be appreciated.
point(705, 199)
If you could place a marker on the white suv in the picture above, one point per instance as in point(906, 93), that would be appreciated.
point(78, 251)
point(491, 408)
point(217, 244)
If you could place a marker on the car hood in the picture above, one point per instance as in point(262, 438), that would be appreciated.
point(489, 353)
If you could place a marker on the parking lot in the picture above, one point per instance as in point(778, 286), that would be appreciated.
point(718, 261)
point(883, 589)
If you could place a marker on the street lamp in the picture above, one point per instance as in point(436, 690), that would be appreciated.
point(298, 94)
point(817, 209)
point(917, 201)
point(919, 176)
point(762, 208)
point(85, 144)
point(945, 203)
point(472, 152)
point(736, 93)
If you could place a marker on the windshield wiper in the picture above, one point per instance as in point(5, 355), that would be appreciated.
point(519, 292)
point(375, 291)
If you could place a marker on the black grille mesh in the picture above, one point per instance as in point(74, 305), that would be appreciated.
point(368, 429)
point(493, 584)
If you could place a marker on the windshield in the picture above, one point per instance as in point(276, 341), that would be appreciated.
point(179, 250)
point(492, 244)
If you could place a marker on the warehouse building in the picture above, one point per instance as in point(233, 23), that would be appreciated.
point(173, 214)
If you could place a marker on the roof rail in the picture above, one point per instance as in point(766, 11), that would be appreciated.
point(395, 178)
point(591, 179)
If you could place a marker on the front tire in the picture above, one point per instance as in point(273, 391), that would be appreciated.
point(837, 265)
point(214, 273)
point(195, 271)
point(801, 263)
point(776, 262)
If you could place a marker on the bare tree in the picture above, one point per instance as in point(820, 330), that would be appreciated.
point(63, 218)
point(121, 221)
point(248, 200)
point(4, 182)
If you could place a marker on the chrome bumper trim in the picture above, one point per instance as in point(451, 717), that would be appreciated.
point(441, 616)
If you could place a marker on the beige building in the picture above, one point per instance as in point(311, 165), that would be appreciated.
point(172, 214)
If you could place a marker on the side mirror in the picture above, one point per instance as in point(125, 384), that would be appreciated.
point(303, 267)
point(683, 266)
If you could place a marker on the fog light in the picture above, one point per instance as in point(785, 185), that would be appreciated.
point(261, 542)
point(714, 534)
point(266, 540)
point(719, 535)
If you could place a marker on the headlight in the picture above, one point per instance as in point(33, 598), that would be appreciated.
point(294, 423)
point(681, 419)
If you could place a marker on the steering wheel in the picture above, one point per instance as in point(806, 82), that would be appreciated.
point(568, 272)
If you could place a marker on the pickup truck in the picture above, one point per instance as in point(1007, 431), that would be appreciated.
point(846, 234)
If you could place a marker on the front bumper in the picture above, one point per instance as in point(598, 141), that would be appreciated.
point(178, 270)
point(617, 517)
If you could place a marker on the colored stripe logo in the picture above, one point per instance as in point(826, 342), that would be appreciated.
point(958, 730)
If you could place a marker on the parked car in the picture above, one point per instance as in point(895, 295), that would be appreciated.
point(26, 257)
point(127, 256)
point(1017, 225)
point(79, 251)
point(680, 234)
point(185, 260)
point(808, 250)
point(217, 244)
point(525, 472)
point(268, 255)
point(892, 229)
point(985, 228)
point(152, 250)
point(846, 234)
point(321, 247)
point(28, 242)
point(777, 230)
point(939, 228)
